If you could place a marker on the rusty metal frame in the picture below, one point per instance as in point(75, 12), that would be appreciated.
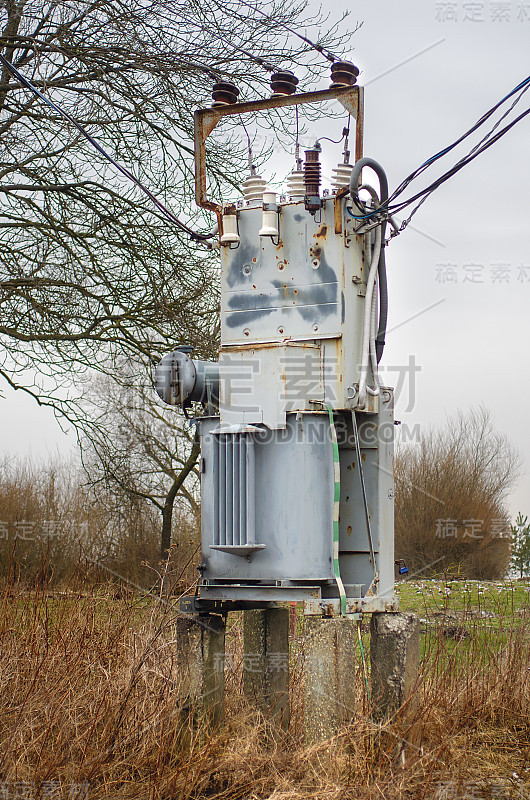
point(354, 605)
point(206, 119)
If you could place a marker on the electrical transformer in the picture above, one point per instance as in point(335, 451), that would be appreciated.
point(295, 426)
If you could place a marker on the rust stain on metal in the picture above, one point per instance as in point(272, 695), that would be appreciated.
point(322, 232)
point(359, 125)
point(348, 96)
point(201, 134)
point(266, 346)
point(337, 211)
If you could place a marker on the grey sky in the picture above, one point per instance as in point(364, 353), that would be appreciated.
point(472, 346)
point(471, 339)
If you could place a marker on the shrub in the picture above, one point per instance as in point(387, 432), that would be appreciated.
point(53, 530)
point(450, 498)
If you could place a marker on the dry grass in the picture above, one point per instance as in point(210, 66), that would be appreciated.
point(54, 530)
point(89, 691)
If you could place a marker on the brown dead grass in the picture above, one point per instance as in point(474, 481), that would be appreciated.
point(89, 691)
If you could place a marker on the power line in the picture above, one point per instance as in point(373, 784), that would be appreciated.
point(388, 207)
point(124, 171)
point(317, 47)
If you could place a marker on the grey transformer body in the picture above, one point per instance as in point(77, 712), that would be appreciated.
point(292, 309)
point(297, 429)
point(267, 511)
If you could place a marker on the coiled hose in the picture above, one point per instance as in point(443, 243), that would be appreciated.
point(383, 287)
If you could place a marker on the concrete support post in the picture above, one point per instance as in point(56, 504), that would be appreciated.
point(329, 676)
point(200, 666)
point(266, 662)
point(395, 657)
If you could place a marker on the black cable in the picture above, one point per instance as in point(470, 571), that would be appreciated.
point(403, 185)
point(388, 208)
point(381, 267)
point(448, 175)
point(457, 167)
point(506, 113)
point(317, 47)
point(430, 189)
point(200, 237)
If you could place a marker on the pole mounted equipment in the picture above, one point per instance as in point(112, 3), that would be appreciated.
point(296, 460)
point(297, 428)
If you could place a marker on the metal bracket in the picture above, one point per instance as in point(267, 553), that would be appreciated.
point(206, 119)
point(244, 550)
point(197, 605)
point(354, 606)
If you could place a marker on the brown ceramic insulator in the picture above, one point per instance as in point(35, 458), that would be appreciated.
point(283, 83)
point(224, 93)
point(312, 173)
point(343, 73)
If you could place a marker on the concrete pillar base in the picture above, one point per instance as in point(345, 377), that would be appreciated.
point(200, 667)
point(266, 663)
point(395, 658)
point(329, 676)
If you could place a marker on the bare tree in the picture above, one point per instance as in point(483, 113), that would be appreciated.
point(139, 449)
point(451, 494)
point(89, 269)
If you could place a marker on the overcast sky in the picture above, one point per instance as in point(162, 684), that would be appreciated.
point(470, 337)
point(459, 291)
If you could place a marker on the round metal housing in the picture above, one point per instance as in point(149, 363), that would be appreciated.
point(179, 380)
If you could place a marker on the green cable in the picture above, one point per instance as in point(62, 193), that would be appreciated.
point(336, 503)
point(363, 657)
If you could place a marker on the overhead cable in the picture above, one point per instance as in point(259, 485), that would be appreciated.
point(124, 171)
